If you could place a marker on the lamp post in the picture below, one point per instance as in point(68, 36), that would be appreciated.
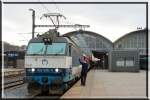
point(33, 21)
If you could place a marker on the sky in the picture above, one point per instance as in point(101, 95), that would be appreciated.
point(109, 20)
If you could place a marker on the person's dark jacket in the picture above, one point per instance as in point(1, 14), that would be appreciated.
point(84, 66)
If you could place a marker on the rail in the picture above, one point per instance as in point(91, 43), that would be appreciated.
point(13, 72)
point(13, 83)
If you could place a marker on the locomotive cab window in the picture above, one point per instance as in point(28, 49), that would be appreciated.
point(56, 48)
point(36, 48)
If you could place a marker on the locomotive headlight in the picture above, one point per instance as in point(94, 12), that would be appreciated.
point(56, 70)
point(45, 39)
point(33, 70)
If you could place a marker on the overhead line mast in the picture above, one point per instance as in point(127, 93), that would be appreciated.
point(33, 22)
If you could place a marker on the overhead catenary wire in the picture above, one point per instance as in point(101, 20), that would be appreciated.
point(25, 39)
point(66, 20)
point(47, 10)
point(60, 11)
point(44, 6)
point(57, 7)
point(29, 33)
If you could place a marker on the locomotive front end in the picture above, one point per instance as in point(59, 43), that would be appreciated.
point(47, 66)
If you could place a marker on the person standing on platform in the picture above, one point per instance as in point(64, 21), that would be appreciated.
point(84, 62)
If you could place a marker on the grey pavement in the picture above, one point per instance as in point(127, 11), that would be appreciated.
point(104, 84)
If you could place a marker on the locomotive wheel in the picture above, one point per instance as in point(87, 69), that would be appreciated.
point(77, 78)
point(66, 86)
point(45, 89)
point(71, 82)
point(30, 87)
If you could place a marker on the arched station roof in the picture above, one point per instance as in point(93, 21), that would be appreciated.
point(89, 41)
point(128, 34)
point(133, 40)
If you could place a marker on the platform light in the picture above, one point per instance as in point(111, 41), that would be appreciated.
point(56, 70)
point(33, 70)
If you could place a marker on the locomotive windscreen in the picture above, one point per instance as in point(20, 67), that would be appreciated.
point(56, 48)
point(36, 48)
point(41, 48)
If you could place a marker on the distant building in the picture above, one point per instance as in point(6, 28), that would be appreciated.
point(136, 40)
point(23, 48)
point(100, 47)
point(14, 59)
point(13, 56)
point(9, 47)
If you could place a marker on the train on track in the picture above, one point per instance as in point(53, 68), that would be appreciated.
point(52, 62)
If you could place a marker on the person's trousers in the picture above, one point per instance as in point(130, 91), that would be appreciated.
point(83, 78)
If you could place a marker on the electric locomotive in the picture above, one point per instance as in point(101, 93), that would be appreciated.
point(51, 62)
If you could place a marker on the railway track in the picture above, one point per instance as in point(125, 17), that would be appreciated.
point(13, 77)
point(13, 83)
point(13, 72)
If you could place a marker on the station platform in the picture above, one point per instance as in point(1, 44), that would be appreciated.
point(104, 84)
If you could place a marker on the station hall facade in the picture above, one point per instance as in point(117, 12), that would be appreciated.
point(103, 48)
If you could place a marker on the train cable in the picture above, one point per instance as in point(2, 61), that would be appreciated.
point(47, 11)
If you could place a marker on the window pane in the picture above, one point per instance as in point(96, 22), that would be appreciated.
point(120, 62)
point(129, 61)
point(56, 48)
point(36, 48)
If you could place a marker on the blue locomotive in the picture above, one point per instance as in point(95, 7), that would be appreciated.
point(51, 62)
